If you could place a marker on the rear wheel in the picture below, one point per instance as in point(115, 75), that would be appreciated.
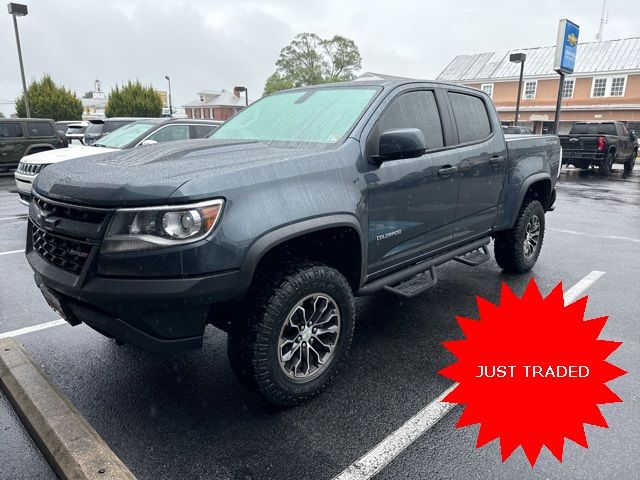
point(299, 331)
point(630, 163)
point(517, 249)
point(604, 169)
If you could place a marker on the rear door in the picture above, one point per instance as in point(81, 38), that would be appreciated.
point(42, 133)
point(411, 206)
point(483, 163)
point(13, 143)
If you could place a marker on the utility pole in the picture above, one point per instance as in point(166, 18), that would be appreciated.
point(604, 19)
point(19, 10)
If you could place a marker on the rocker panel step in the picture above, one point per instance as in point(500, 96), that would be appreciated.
point(416, 285)
point(475, 257)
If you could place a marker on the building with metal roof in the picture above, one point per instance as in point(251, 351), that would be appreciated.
point(604, 86)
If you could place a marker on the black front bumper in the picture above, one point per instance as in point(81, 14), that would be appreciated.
point(155, 314)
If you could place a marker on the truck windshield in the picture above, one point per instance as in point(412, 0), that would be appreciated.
point(594, 129)
point(321, 116)
point(124, 135)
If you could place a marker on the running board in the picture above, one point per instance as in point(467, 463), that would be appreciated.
point(416, 285)
point(474, 258)
point(396, 279)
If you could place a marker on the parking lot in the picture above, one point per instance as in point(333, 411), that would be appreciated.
point(186, 415)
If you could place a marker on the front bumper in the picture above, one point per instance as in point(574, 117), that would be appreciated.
point(24, 184)
point(155, 314)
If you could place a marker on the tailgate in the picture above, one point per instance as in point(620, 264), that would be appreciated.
point(580, 142)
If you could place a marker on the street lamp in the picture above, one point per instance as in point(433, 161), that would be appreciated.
point(19, 10)
point(170, 109)
point(518, 58)
point(246, 93)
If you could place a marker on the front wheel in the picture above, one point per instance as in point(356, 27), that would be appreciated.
point(517, 249)
point(299, 332)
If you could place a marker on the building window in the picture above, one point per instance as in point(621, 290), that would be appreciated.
point(529, 89)
point(617, 86)
point(202, 98)
point(599, 87)
point(608, 87)
point(487, 88)
point(567, 88)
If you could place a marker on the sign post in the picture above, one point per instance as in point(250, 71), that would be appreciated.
point(565, 59)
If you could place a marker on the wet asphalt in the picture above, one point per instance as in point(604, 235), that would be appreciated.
point(185, 415)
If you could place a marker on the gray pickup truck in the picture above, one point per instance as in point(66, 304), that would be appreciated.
point(300, 202)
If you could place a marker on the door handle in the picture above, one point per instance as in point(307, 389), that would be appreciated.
point(496, 161)
point(448, 170)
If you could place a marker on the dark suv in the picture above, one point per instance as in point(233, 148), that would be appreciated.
point(24, 136)
point(99, 127)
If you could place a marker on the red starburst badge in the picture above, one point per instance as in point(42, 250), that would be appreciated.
point(531, 372)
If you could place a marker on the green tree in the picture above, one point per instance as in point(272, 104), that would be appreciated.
point(48, 100)
point(311, 60)
point(134, 100)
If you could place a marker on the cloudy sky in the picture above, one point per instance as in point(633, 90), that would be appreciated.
point(212, 44)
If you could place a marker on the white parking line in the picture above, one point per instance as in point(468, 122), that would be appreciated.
point(607, 237)
point(33, 328)
point(389, 448)
point(14, 218)
point(11, 252)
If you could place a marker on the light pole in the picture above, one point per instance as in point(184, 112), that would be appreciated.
point(518, 58)
point(246, 94)
point(19, 10)
point(170, 109)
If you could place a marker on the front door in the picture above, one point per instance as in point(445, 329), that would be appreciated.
point(483, 165)
point(411, 202)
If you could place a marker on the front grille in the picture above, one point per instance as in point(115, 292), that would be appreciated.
point(61, 252)
point(29, 168)
point(81, 214)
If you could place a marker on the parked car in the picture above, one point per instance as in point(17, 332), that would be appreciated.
point(20, 137)
point(145, 132)
point(75, 131)
point(299, 202)
point(99, 127)
point(516, 130)
point(600, 144)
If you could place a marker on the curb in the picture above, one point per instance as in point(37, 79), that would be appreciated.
point(71, 446)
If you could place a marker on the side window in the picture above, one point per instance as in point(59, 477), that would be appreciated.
point(625, 132)
point(416, 109)
point(10, 130)
point(170, 134)
point(39, 129)
point(472, 119)
point(202, 131)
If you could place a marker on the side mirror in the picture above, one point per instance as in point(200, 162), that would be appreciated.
point(400, 143)
point(146, 143)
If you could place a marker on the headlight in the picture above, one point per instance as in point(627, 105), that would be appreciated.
point(155, 227)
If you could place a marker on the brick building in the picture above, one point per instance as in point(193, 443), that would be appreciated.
point(218, 105)
point(604, 86)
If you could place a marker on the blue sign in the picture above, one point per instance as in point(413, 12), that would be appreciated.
point(566, 46)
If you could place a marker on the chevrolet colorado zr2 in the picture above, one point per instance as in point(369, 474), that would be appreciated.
point(298, 203)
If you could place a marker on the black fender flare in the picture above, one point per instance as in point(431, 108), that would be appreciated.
point(287, 232)
point(530, 180)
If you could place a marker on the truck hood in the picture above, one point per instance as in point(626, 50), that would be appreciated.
point(62, 154)
point(150, 175)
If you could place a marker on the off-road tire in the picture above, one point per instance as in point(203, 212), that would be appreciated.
point(630, 163)
point(254, 354)
point(604, 169)
point(509, 244)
